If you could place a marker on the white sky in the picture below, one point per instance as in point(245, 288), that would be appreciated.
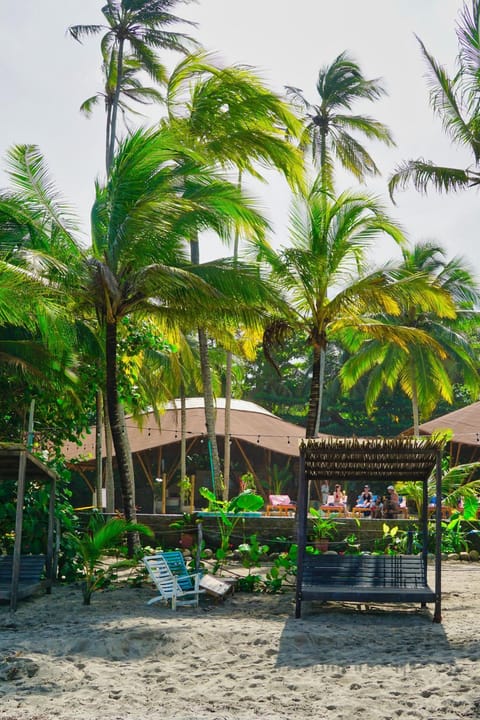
point(45, 76)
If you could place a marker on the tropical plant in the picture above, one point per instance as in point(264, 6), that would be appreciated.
point(133, 31)
point(331, 128)
point(425, 373)
point(102, 540)
point(456, 101)
point(251, 554)
point(459, 485)
point(283, 571)
point(152, 201)
point(229, 514)
point(185, 489)
point(324, 274)
point(232, 117)
point(323, 526)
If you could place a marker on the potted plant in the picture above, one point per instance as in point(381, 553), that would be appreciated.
point(323, 529)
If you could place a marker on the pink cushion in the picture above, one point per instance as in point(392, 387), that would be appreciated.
point(279, 500)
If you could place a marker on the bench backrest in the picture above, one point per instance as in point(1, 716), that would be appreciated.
point(364, 570)
point(31, 568)
point(176, 564)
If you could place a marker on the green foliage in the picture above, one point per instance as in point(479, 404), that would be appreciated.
point(35, 519)
point(252, 552)
point(228, 514)
point(283, 571)
point(323, 526)
point(103, 539)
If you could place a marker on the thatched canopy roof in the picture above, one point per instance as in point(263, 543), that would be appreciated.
point(35, 470)
point(387, 459)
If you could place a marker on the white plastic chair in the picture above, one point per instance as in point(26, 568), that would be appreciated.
point(177, 589)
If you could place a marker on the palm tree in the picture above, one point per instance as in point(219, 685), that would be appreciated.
point(331, 130)
point(142, 27)
point(455, 100)
point(424, 373)
point(131, 90)
point(153, 200)
point(324, 276)
point(232, 117)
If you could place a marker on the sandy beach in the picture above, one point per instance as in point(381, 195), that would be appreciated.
point(248, 658)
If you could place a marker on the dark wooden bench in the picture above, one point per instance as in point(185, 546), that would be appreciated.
point(365, 578)
point(30, 578)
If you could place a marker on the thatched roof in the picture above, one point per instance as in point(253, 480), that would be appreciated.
point(342, 459)
point(35, 470)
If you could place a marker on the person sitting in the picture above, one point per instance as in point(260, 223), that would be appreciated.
point(365, 499)
point(377, 507)
point(338, 496)
point(391, 508)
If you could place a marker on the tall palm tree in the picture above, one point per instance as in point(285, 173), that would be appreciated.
point(456, 101)
point(232, 117)
point(131, 90)
point(324, 274)
point(154, 201)
point(330, 128)
point(425, 373)
point(133, 28)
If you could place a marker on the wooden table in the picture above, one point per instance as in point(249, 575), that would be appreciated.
point(329, 509)
point(284, 510)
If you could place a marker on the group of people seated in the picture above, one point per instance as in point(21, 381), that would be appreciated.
point(379, 506)
point(374, 506)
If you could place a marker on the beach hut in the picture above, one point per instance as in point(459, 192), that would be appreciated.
point(464, 423)
point(368, 578)
point(258, 438)
point(20, 576)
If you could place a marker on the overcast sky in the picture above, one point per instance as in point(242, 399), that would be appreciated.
point(45, 75)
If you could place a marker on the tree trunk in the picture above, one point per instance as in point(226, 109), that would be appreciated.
point(228, 405)
point(314, 402)
point(415, 410)
point(210, 412)
point(208, 391)
point(183, 433)
point(116, 100)
point(98, 449)
point(109, 479)
point(117, 425)
point(320, 390)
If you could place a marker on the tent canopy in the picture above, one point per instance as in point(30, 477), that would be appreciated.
point(249, 423)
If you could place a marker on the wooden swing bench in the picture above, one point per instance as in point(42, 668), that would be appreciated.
point(365, 578)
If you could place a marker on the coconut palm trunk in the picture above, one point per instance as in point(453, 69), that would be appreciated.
point(117, 425)
point(314, 408)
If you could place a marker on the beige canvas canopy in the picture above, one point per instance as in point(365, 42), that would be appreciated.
point(465, 426)
point(249, 423)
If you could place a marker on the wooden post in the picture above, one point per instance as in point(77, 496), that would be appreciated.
point(301, 530)
point(164, 493)
point(17, 547)
point(437, 616)
point(50, 537)
point(192, 494)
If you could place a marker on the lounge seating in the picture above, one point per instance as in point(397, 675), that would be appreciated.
point(330, 508)
point(280, 504)
point(30, 576)
point(366, 578)
point(179, 589)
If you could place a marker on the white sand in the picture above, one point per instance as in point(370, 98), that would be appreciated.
point(248, 658)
